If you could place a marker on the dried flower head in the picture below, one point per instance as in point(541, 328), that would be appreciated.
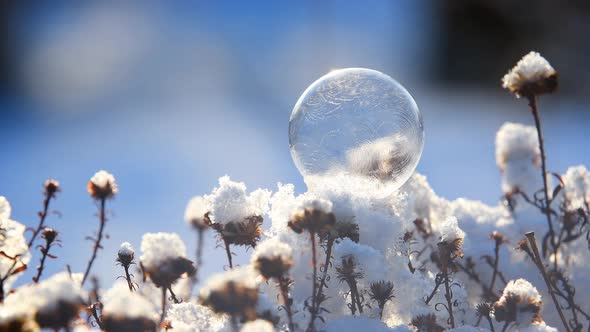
point(51, 187)
point(426, 323)
point(234, 292)
point(348, 270)
point(49, 234)
point(246, 232)
point(345, 229)
point(126, 254)
point(533, 75)
point(381, 292)
point(516, 142)
point(520, 303)
point(164, 258)
point(54, 302)
point(314, 216)
point(127, 311)
point(102, 186)
point(451, 239)
point(197, 212)
point(484, 310)
point(272, 258)
point(498, 238)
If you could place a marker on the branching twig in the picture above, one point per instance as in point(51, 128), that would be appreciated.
point(97, 245)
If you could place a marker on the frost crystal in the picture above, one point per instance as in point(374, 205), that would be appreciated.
point(577, 186)
point(195, 316)
point(119, 302)
point(259, 325)
point(230, 203)
point(196, 209)
point(126, 249)
point(157, 248)
point(450, 231)
point(518, 157)
point(4, 208)
point(272, 249)
point(12, 243)
point(532, 75)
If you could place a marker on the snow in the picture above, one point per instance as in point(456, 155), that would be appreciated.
point(156, 248)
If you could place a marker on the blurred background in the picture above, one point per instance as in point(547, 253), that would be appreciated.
point(169, 96)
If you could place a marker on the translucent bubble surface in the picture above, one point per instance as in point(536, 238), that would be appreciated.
point(357, 121)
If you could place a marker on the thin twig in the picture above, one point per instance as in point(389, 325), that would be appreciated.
point(228, 252)
point(314, 311)
point(284, 290)
point(546, 210)
point(97, 245)
point(42, 216)
point(533, 242)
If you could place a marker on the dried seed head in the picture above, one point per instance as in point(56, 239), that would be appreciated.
point(170, 271)
point(347, 271)
point(520, 303)
point(197, 213)
point(484, 310)
point(426, 323)
point(245, 233)
point(102, 186)
point(51, 187)
point(345, 229)
point(272, 259)
point(124, 324)
point(49, 234)
point(234, 292)
point(60, 315)
point(126, 254)
point(313, 219)
point(498, 238)
point(381, 292)
point(533, 75)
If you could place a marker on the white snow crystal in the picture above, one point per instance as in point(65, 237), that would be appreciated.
point(369, 260)
point(259, 325)
point(272, 248)
point(195, 316)
point(229, 202)
point(126, 249)
point(522, 288)
point(120, 302)
point(102, 179)
point(196, 209)
point(244, 276)
point(4, 208)
point(532, 68)
point(518, 157)
point(577, 186)
point(159, 247)
point(450, 231)
point(355, 324)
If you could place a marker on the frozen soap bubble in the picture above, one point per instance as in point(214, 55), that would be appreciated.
point(357, 121)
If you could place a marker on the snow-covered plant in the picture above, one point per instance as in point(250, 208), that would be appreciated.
point(378, 257)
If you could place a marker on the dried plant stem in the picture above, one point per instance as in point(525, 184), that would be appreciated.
point(489, 319)
point(128, 278)
point(97, 245)
point(438, 282)
point(495, 267)
point(284, 290)
point(547, 211)
point(448, 295)
point(44, 252)
point(329, 245)
point(200, 239)
point(163, 315)
point(533, 242)
point(313, 310)
point(174, 297)
point(8, 274)
point(94, 313)
point(42, 216)
point(228, 252)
